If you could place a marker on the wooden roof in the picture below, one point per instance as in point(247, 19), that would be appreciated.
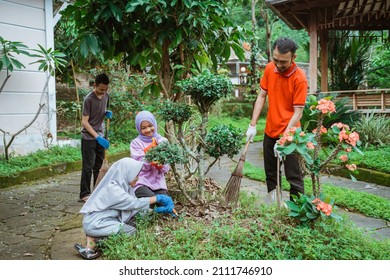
point(334, 14)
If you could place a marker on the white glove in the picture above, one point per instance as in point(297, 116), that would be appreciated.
point(277, 152)
point(251, 133)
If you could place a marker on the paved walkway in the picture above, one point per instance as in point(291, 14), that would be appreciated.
point(39, 220)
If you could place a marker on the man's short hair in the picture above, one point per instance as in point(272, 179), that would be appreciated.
point(102, 79)
point(285, 45)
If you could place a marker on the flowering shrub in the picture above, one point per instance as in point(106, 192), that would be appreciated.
point(309, 208)
point(337, 140)
point(316, 149)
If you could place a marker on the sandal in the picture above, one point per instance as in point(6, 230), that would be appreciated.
point(86, 253)
point(84, 199)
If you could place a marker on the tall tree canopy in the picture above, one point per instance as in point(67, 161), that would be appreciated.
point(172, 37)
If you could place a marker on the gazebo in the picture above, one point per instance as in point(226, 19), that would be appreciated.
point(317, 17)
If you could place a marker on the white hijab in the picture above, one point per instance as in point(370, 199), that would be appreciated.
point(119, 175)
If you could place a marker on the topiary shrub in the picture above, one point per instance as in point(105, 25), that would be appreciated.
point(223, 140)
point(166, 153)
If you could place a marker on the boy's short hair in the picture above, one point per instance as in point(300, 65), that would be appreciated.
point(102, 79)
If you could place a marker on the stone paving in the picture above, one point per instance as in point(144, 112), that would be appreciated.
point(39, 220)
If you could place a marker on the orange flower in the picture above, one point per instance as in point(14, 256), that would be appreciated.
point(351, 167)
point(326, 208)
point(343, 158)
point(310, 145)
point(322, 130)
point(340, 125)
point(343, 135)
point(353, 138)
point(326, 106)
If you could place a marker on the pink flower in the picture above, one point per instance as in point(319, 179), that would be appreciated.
point(343, 158)
point(322, 130)
point(292, 130)
point(343, 135)
point(340, 125)
point(281, 141)
point(310, 145)
point(326, 208)
point(288, 136)
point(302, 134)
point(348, 150)
point(351, 167)
point(326, 106)
point(353, 138)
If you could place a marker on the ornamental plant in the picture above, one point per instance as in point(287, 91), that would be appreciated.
point(309, 208)
point(166, 153)
point(223, 140)
point(190, 129)
point(317, 148)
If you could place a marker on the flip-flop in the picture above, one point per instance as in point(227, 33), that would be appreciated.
point(84, 199)
point(86, 253)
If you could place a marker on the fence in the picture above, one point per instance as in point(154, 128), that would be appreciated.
point(369, 100)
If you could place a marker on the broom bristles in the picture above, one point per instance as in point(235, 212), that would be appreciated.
point(232, 189)
point(103, 170)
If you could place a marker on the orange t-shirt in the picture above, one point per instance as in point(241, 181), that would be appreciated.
point(285, 91)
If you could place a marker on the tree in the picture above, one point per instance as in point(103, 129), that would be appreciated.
point(174, 38)
point(348, 55)
point(379, 66)
point(48, 61)
point(197, 145)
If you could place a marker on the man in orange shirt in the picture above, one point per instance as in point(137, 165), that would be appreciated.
point(286, 86)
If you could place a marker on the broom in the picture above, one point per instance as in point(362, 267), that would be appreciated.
point(232, 189)
point(105, 166)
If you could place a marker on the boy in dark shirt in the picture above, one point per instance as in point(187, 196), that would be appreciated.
point(92, 142)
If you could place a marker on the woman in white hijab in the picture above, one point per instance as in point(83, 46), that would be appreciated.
point(113, 205)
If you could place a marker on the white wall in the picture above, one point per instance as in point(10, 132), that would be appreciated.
point(29, 22)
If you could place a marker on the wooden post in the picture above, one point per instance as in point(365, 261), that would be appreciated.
point(313, 51)
point(324, 59)
point(383, 105)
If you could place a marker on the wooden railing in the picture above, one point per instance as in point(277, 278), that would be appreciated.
point(369, 100)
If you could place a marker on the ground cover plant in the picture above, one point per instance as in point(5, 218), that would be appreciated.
point(367, 204)
point(53, 155)
point(252, 231)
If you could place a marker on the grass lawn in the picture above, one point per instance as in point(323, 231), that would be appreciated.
point(251, 231)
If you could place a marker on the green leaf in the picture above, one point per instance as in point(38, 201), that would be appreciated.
point(308, 159)
point(311, 216)
point(92, 43)
point(294, 214)
point(301, 148)
point(358, 150)
point(143, 61)
point(291, 205)
point(290, 148)
point(116, 12)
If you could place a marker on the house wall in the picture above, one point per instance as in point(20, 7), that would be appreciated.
point(31, 23)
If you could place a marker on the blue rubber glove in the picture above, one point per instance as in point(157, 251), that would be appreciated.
point(166, 203)
point(103, 142)
point(108, 114)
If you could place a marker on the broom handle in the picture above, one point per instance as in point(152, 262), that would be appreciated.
point(107, 126)
point(246, 147)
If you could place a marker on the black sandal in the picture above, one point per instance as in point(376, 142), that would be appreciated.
point(86, 253)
